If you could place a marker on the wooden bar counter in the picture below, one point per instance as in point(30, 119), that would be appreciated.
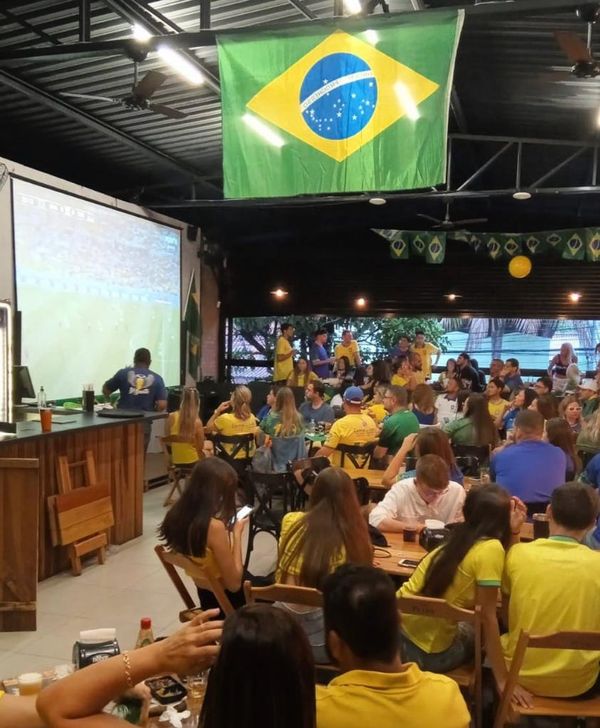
point(118, 449)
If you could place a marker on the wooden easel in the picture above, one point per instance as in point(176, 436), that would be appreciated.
point(80, 517)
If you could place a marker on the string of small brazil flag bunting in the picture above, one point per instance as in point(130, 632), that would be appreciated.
point(575, 244)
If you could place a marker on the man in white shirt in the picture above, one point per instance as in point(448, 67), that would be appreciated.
point(446, 404)
point(430, 494)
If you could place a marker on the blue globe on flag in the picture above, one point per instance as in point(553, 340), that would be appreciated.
point(338, 96)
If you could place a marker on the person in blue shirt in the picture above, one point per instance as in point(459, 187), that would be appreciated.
point(139, 389)
point(591, 476)
point(530, 469)
point(319, 358)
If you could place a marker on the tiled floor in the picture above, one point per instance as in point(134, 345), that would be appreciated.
point(132, 584)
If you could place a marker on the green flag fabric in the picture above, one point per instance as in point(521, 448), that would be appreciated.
point(192, 329)
point(358, 105)
point(403, 243)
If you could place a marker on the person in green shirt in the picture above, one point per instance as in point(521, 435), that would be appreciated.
point(397, 425)
point(588, 396)
point(476, 427)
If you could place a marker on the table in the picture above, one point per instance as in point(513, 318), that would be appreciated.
point(315, 440)
point(398, 549)
point(373, 477)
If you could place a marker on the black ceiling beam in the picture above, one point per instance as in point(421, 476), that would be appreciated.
point(204, 14)
point(134, 12)
point(29, 26)
point(84, 21)
point(299, 5)
point(41, 96)
point(207, 38)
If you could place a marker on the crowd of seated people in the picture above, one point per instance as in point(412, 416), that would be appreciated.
point(544, 456)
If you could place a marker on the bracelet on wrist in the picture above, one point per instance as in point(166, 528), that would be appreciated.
point(127, 665)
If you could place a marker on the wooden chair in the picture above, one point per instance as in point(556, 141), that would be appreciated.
point(304, 472)
point(175, 473)
point(509, 712)
point(360, 456)
point(238, 455)
point(290, 594)
point(171, 560)
point(468, 677)
point(80, 517)
point(482, 454)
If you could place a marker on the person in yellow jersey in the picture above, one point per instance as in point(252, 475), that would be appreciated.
point(375, 408)
point(355, 428)
point(426, 350)
point(186, 423)
point(348, 348)
point(550, 585)
point(284, 355)
point(376, 688)
point(404, 375)
point(239, 421)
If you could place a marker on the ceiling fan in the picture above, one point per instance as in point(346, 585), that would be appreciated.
point(448, 224)
point(576, 50)
point(138, 99)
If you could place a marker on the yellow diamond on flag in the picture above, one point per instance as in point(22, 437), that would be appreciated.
point(341, 95)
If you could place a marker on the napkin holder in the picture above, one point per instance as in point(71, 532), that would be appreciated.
point(95, 646)
point(433, 535)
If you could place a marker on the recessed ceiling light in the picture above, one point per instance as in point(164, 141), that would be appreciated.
point(279, 293)
point(352, 7)
point(377, 201)
point(574, 297)
point(452, 296)
point(361, 302)
point(520, 195)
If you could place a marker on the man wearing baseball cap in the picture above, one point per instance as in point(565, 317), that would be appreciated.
point(355, 428)
point(588, 394)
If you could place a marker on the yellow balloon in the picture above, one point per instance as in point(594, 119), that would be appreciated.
point(519, 266)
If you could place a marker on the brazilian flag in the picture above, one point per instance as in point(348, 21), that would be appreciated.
point(358, 105)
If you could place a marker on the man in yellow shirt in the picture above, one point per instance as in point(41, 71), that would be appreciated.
point(426, 350)
point(284, 355)
point(553, 584)
point(376, 688)
point(355, 428)
point(349, 348)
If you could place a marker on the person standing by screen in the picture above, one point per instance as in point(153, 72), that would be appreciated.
point(319, 358)
point(284, 355)
point(139, 389)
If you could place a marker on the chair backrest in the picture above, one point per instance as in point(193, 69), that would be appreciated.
point(556, 641)
point(201, 576)
point(239, 444)
point(64, 468)
point(305, 470)
point(438, 609)
point(359, 456)
point(468, 465)
point(283, 593)
point(481, 453)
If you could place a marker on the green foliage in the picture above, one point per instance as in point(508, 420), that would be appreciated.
point(255, 337)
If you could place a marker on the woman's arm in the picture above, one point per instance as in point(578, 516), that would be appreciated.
point(77, 701)
point(227, 555)
point(210, 425)
point(392, 470)
point(199, 437)
point(18, 711)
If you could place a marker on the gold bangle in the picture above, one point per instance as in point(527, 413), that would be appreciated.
point(127, 663)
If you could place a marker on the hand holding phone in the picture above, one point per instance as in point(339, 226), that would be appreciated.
point(243, 512)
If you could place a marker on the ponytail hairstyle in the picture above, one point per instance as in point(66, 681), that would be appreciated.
point(241, 398)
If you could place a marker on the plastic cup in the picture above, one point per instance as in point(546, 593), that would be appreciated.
point(30, 683)
point(196, 686)
point(409, 534)
point(87, 400)
point(46, 419)
point(541, 526)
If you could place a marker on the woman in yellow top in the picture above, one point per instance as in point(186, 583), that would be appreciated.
point(465, 571)
point(375, 408)
point(315, 543)
point(404, 375)
point(240, 421)
point(202, 524)
point(301, 375)
point(497, 405)
point(187, 424)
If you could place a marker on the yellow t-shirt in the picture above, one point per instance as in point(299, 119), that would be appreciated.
point(411, 699)
point(497, 408)
point(283, 369)
point(207, 562)
point(228, 424)
point(351, 352)
point(421, 376)
point(399, 381)
point(377, 411)
point(426, 352)
point(289, 522)
point(353, 429)
point(312, 377)
point(554, 585)
point(482, 566)
point(182, 453)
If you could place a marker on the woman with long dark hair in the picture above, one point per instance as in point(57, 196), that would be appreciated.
point(520, 400)
point(546, 405)
point(465, 571)
point(264, 674)
point(301, 374)
point(428, 441)
point(313, 544)
point(476, 427)
point(560, 434)
point(201, 524)
point(449, 372)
